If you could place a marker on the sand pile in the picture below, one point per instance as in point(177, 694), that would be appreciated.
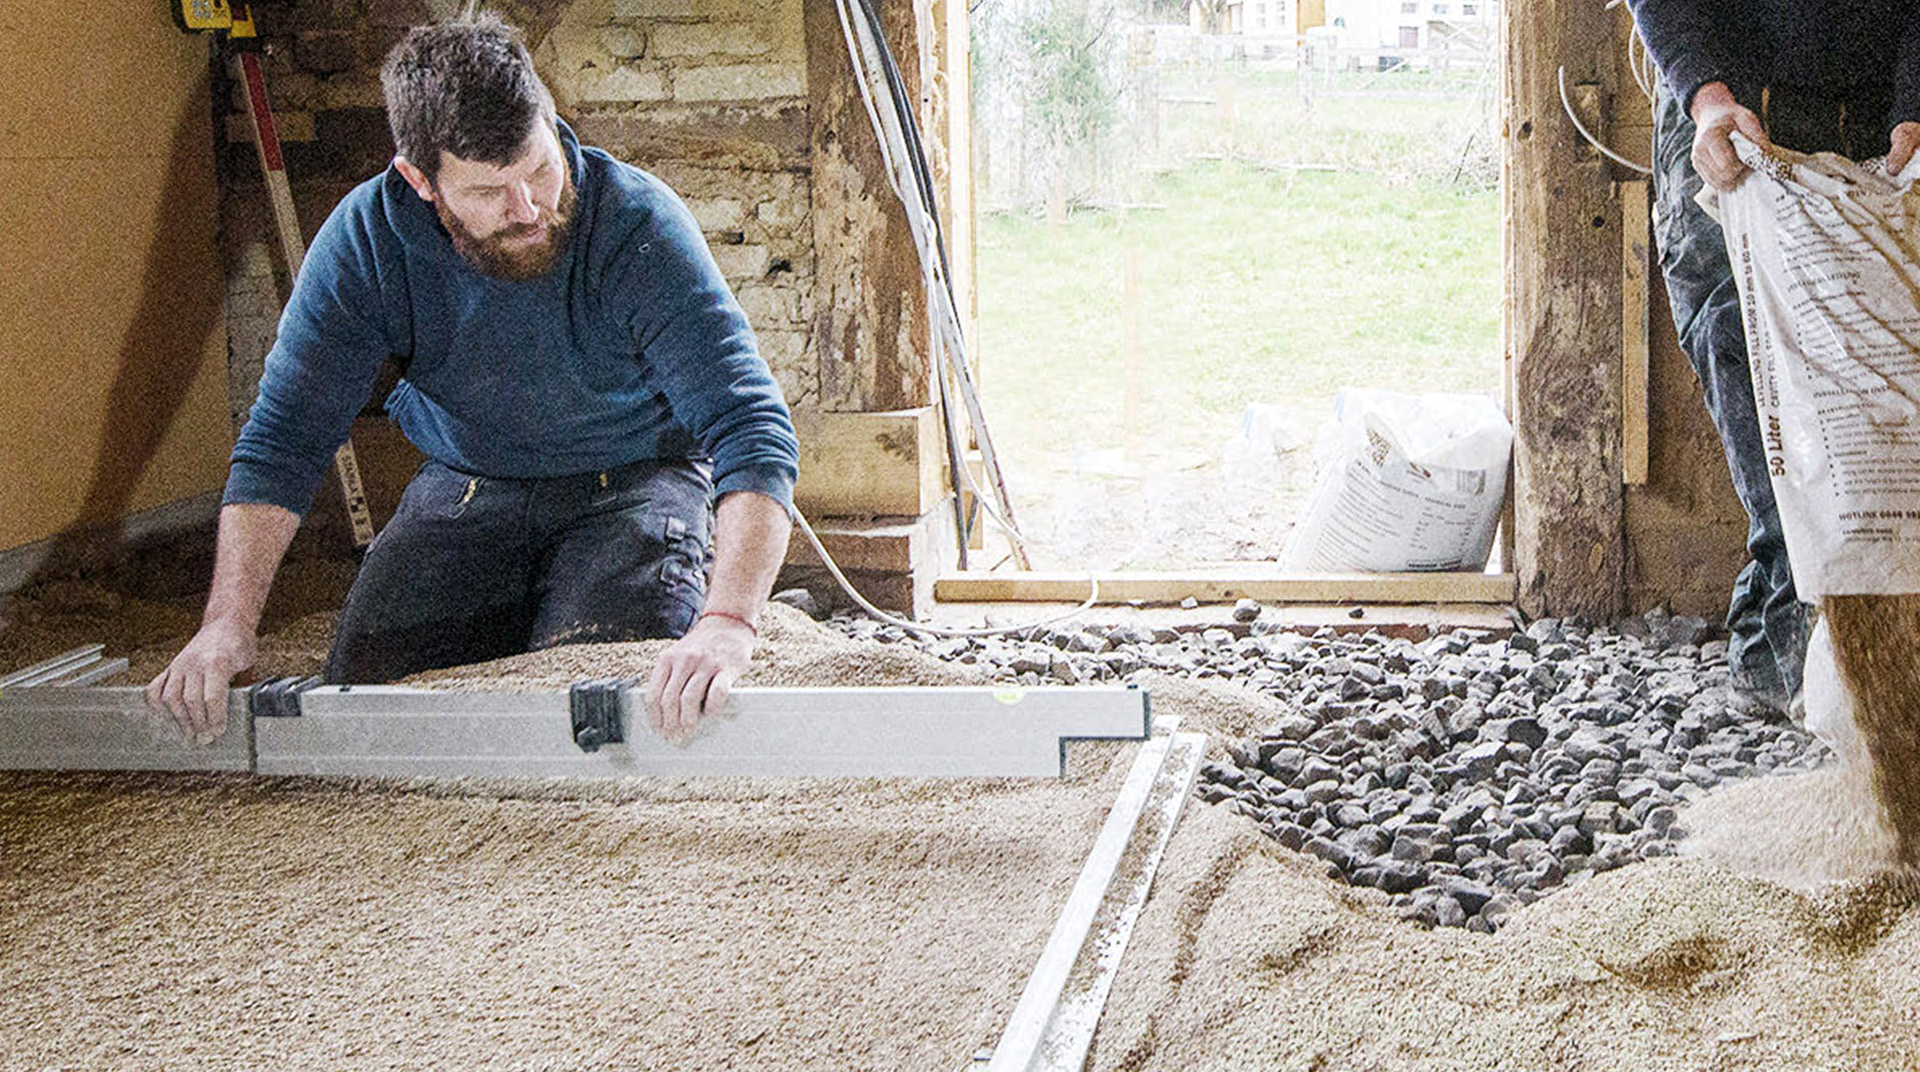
point(60, 614)
point(235, 923)
point(1247, 958)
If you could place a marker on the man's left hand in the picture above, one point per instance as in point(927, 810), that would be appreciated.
point(691, 679)
point(1906, 138)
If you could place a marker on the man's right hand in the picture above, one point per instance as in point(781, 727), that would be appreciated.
point(192, 689)
point(1716, 116)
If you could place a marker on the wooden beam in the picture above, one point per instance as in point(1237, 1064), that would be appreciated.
point(883, 545)
point(1635, 331)
point(1563, 316)
point(870, 320)
point(1217, 588)
point(989, 732)
point(888, 464)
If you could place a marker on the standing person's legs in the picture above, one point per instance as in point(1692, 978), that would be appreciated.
point(1767, 622)
point(444, 584)
point(625, 555)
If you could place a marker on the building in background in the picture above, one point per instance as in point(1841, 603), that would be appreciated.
point(1374, 34)
point(1256, 18)
point(1414, 33)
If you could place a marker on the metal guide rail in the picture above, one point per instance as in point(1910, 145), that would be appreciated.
point(595, 729)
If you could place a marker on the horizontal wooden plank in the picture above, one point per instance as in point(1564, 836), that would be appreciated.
point(886, 545)
point(50, 728)
point(1227, 588)
point(808, 733)
point(869, 464)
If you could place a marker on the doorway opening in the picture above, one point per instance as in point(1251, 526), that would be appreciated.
point(1197, 223)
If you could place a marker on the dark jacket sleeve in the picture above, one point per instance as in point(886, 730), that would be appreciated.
point(320, 371)
point(1694, 42)
point(701, 355)
point(1906, 83)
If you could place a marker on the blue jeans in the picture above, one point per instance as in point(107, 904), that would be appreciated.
point(474, 568)
point(1767, 623)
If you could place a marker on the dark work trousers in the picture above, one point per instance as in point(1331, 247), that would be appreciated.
point(474, 568)
point(1768, 624)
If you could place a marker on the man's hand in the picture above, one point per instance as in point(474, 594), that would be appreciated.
point(1716, 116)
point(691, 679)
point(192, 689)
point(253, 537)
point(1906, 138)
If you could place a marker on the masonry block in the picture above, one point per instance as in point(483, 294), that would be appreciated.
point(782, 349)
point(786, 211)
point(742, 263)
point(766, 305)
point(622, 85)
point(658, 9)
point(624, 42)
point(739, 82)
point(707, 39)
point(718, 213)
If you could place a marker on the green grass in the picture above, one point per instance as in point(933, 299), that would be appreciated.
point(1255, 287)
point(1391, 129)
point(1256, 283)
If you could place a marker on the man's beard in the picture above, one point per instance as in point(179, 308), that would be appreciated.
point(500, 255)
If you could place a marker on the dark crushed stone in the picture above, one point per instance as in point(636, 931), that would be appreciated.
point(1465, 775)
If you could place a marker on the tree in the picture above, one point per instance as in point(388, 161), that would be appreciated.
point(1213, 15)
point(1069, 81)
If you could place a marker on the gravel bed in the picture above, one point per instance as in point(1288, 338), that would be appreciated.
point(1464, 775)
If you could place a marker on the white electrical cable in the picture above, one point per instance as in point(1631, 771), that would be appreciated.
point(948, 338)
point(1639, 60)
point(1567, 103)
point(893, 150)
point(833, 568)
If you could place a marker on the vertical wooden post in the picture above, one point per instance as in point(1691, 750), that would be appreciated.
point(1563, 332)
point(1635, 242)
point(870, 319)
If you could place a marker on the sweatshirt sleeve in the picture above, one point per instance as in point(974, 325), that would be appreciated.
point(1906, 82)
point(1694, 42)
point(699, 352)
point(321, 368)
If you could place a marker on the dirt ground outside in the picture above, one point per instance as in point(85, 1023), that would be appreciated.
point(224, 922)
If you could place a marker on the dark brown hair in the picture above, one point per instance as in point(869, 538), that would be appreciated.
point(465, 87)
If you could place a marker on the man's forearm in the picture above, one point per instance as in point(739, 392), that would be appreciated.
point(750, 534)
point(253, 539)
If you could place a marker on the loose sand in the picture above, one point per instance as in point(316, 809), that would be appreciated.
point(1875, 638)
point(208, 922)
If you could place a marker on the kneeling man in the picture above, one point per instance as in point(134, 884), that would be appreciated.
point(581, 379)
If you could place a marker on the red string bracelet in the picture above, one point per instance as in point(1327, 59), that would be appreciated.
point(732, 617)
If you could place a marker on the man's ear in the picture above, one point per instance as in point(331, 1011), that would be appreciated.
point(415, 178)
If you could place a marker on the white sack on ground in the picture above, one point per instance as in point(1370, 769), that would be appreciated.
point(1407, 482)
point(1824, 251)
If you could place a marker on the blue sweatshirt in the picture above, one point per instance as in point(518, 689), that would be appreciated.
point(631, 348)
point(1831, 47)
